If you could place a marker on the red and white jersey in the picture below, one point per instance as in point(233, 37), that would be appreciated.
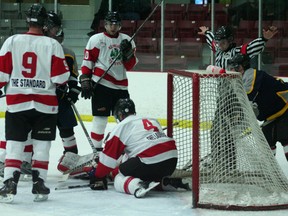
point(100, 52)
point(136, 136)
point(30, 66)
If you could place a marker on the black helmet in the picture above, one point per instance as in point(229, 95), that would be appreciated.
point(37, 14)
point(224, 32)
point(53, 20)
point(237, 60)
point(124, 107)
point(113, 17)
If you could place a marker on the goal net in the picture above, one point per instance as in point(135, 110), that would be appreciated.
point(221, 144)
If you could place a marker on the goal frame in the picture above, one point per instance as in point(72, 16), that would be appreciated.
point(195, 175)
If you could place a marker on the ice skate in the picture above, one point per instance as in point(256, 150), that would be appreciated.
point(9, 190)
point(39, 189)
point(144, 187)
point(174, 183)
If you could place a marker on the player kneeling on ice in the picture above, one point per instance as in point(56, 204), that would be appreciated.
point(151, 155)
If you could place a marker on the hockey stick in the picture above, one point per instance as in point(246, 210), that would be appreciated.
point(3, 96)
point(72, 187)
point(83, 127)
point(174, 124)
point(132, 37)
point(77, 186)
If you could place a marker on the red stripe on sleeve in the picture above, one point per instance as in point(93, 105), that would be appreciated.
point(91, 55)
point(59, 66)
point(6, 63)
point(102, 170)
point(130, 64)
point(114, 147)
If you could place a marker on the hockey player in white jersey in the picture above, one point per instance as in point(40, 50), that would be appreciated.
point(31, 65)
point(66, 118)
point(100, 52)
point(151, 155)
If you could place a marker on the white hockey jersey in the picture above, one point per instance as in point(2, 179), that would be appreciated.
point(30, 67)
point(100, 52)
point(136, 136)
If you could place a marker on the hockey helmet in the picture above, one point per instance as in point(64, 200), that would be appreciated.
point(36, 14)
point(113, 17)
point(224, 32)
point(124, 107)
point(239, 60)
point(53, 21)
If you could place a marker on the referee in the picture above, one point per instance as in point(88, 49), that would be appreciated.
point(223, 46)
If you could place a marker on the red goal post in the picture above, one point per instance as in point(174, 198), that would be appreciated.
point(217, 134)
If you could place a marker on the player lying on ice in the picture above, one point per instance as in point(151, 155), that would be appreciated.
point(150, 155)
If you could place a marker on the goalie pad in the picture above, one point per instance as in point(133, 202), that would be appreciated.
point(74, 163)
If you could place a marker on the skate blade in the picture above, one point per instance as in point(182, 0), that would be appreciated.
point(40, 197)
point(9, 198)
point(142, 191)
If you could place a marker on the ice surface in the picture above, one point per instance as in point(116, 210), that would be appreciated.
point(86, 202)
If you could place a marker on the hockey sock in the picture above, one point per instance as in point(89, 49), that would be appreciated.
point(40, 159)
point(70, 144)
point(2, 151)
point(28, 151)
point(126, 184)
point(98, 128)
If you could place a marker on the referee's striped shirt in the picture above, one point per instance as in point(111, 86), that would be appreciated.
point(252, 48)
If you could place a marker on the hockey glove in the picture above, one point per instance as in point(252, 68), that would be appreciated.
point(86, 86)
point(126, 49)
point(95, 183)
point(73, 94)
point(61, 91)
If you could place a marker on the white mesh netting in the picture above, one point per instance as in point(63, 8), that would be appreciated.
point(236, 166)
